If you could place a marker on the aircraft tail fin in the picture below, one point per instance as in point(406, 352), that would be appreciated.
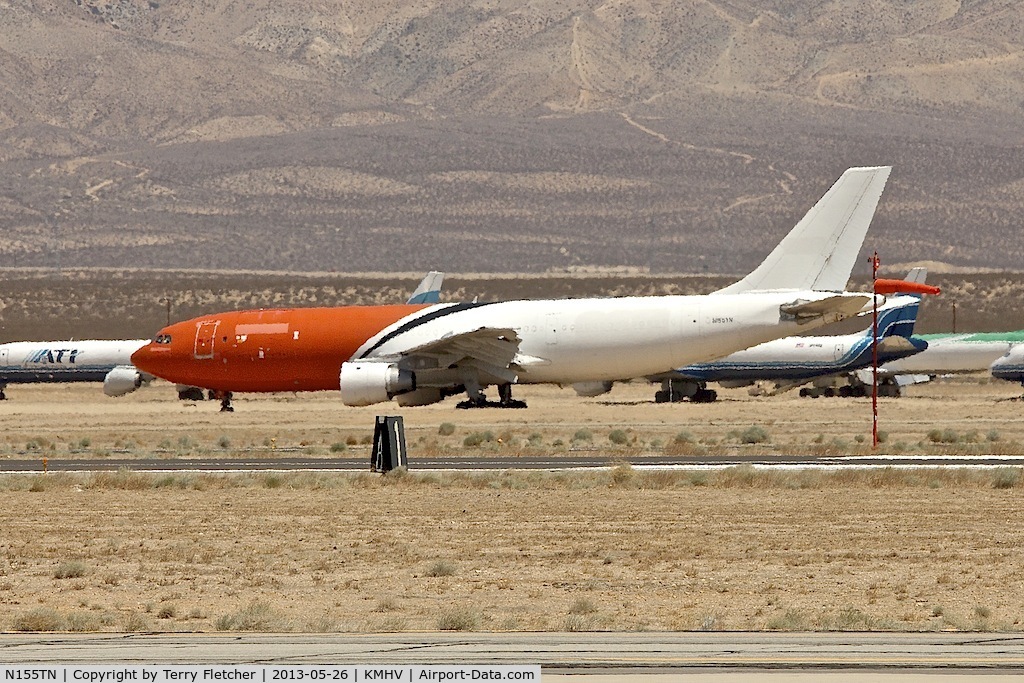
point(897, 316)
point(820, 251)
point(429, 289)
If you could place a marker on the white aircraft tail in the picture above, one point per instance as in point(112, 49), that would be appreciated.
point(820, 251)
point(429, 289)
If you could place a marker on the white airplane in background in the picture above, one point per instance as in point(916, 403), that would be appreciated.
point(85, 360)
point(109, 360)
point(952, 354)
point(1011, 366)
point(420, 354)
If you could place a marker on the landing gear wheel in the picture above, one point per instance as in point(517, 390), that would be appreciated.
point(662, 396)
point(191, 394)
point(225, 402)
point(3, 396)
point(704, 396)
point(505, 399)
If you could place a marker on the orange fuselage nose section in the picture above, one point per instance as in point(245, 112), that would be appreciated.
point(298, 349)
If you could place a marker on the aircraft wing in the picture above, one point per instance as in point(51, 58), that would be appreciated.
point(488, 351)
point(903, 380)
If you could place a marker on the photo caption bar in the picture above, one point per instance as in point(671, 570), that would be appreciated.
point(304, 673)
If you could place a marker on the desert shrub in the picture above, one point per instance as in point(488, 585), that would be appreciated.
point(1005, 477)
point(583, 435)
point(582, 606)
point(388, 604)
point(993, 435)
point(477, 439)
point(623, 474)
point(446, 429)
point(943, 436)
point(39, 619)
point(224, 442)
point(441, 568)
point(574, 623)
point(754, 434)
point(457, 619)
point(618, 437)
point(134, 622)
point(790, 620)
point(256, 616)
point(683, 437)
point(338, 447)
point(81, 622)
point(70, 570)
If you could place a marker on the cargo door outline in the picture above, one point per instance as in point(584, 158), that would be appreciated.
point(206, 333)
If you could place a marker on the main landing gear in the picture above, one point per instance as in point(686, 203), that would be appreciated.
point(191, 394)
point(477, 399)
point(673, 391)
point(225, 400)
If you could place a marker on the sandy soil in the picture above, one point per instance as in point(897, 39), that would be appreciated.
point(619, 549)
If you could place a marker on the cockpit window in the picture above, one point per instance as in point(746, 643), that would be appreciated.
point(162, 339)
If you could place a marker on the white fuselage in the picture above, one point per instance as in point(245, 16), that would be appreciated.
point(949, 355)
point(574, 340)
point(1011, 365)
point(87, 360)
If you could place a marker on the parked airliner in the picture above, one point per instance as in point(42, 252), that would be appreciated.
point(421, 354)
point(109, 360)
point(1011, 366)
point(85, 360)
point(951, 354)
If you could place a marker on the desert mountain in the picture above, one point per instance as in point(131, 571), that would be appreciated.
point(503, 136)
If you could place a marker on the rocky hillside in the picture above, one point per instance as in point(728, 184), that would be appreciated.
point(478, 135)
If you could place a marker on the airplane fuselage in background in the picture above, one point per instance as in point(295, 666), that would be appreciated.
point(797, 358)
point(87, 360)
point(560, 341)
point(955, 353)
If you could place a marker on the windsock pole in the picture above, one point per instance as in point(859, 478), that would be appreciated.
point(874, 351)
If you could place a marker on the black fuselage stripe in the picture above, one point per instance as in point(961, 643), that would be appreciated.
point(423, 319)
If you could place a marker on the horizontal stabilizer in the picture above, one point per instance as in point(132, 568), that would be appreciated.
point(895, 344)
point(831, 309)
point(819, 253)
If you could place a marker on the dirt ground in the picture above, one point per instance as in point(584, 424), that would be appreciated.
point(618, 549)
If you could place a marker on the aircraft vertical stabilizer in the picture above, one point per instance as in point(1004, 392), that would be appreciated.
point(820, 251)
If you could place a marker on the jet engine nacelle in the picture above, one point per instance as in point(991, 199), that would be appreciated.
point(124, 379)
point(592, 388)
point(366, 383)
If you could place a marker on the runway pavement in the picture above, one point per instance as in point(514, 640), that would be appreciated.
point(491, 462)
point(645, 657)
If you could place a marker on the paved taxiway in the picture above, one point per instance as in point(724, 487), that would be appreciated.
point(492, 462)
point(645, 657)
